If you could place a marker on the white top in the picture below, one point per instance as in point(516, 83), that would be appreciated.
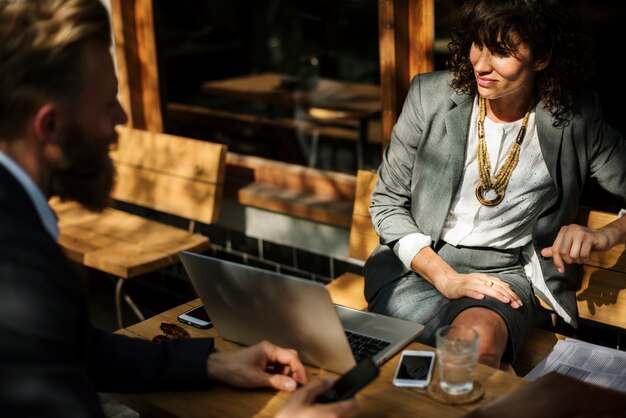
point(508, 224)
point(47, 216)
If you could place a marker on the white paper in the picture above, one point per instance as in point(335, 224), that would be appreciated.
point(584, 361)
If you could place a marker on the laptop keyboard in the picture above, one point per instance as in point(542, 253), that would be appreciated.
point(363, 346)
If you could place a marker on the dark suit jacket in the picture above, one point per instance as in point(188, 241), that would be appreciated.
point(423, 166)
point(52, 360)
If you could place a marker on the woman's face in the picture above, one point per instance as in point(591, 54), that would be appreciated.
point(508, 76)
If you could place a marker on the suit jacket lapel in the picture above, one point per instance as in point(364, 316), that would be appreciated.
point(550, 140)
point(457, 129)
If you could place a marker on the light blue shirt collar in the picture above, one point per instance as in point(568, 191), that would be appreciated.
point(47, 216)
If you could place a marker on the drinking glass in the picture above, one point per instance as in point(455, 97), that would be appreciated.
point(457, 352)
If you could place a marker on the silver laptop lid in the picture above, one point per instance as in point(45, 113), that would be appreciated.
point(248, 305)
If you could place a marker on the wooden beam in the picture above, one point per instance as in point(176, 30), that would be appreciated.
point(421, 37)
point(406, 40)
point(136, 55)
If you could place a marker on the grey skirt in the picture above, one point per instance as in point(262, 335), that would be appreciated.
point(412, 298)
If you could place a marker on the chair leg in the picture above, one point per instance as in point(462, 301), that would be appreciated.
point(129, 301)
point(314, 148)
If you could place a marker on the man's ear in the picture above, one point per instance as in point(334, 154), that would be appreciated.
point(47, 126)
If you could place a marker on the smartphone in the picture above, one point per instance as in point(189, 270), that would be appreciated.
point(351, 382)
point(414, 369)
point(197, 317)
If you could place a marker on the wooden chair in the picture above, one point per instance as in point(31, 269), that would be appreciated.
point(170, 174)
point(600, 299)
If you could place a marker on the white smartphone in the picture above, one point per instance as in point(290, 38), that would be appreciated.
point(197, 317)
point(414, 369)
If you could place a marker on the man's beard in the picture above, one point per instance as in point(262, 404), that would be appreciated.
point(89, 176)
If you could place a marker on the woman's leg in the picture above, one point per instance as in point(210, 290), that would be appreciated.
point(493, 332)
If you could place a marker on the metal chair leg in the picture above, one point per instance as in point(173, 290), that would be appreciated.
point(129, 301)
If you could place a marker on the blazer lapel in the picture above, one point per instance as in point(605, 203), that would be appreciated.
point(457, 129)
point(550, 140)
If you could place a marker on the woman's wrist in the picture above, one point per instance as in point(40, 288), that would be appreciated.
point(429, 265)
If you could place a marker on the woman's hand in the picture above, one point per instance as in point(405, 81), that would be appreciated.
point(453, 285)
point(477, 286)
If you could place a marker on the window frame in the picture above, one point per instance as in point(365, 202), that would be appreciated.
point(406, 43)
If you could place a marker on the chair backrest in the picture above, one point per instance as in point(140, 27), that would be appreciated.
point(363, 238)
point(602, 293)
point(171, 174)
point(601, 296)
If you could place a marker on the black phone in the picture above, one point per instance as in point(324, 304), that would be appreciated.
point(351, 382)
point(197, 317)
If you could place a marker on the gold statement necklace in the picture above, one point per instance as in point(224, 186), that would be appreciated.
point(499, 182)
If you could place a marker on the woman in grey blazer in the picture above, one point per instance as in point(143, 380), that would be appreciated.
point(480, 184)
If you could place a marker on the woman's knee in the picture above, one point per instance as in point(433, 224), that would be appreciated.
point(492, 330)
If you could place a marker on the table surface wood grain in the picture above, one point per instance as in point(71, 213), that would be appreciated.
point(379, 399)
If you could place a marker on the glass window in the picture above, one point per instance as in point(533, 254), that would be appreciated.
point(290, 80)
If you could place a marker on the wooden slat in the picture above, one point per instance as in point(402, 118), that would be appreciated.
point(288, 176)
point(347, 290)
point(363, 237)
point(171, 174)
point(120, 243)
point(186, 198)
point(309, 206)
point(615, 258)
point(170, 154)
point(602, 297)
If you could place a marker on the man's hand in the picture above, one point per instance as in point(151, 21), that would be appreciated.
point(301, 403)
point(574, 243)
point(248, 367)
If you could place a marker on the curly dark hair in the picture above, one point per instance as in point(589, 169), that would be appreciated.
point(547, 27)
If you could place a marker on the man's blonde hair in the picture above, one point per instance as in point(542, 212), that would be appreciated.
point(41, 54)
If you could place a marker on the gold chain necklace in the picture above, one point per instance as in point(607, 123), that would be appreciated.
point(501, 180)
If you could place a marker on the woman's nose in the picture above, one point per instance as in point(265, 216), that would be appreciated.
point(483, 63)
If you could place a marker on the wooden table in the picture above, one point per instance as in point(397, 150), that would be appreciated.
point(330, 100)
point(379, 399)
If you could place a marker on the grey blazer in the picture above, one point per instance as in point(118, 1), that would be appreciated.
point(423, 165)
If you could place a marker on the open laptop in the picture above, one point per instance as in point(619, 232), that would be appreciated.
point(248, 304)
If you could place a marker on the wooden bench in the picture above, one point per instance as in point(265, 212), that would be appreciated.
point(169, 174)
point(275, 138)
point(600, 298)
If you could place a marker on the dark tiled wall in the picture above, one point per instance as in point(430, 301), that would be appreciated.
point(234, 246)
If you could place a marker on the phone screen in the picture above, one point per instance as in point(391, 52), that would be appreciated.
point(351, 382)
point(414, 367)
point(197, 317)
point(199, 313)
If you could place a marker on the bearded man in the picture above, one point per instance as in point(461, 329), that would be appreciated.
point(58, 113)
